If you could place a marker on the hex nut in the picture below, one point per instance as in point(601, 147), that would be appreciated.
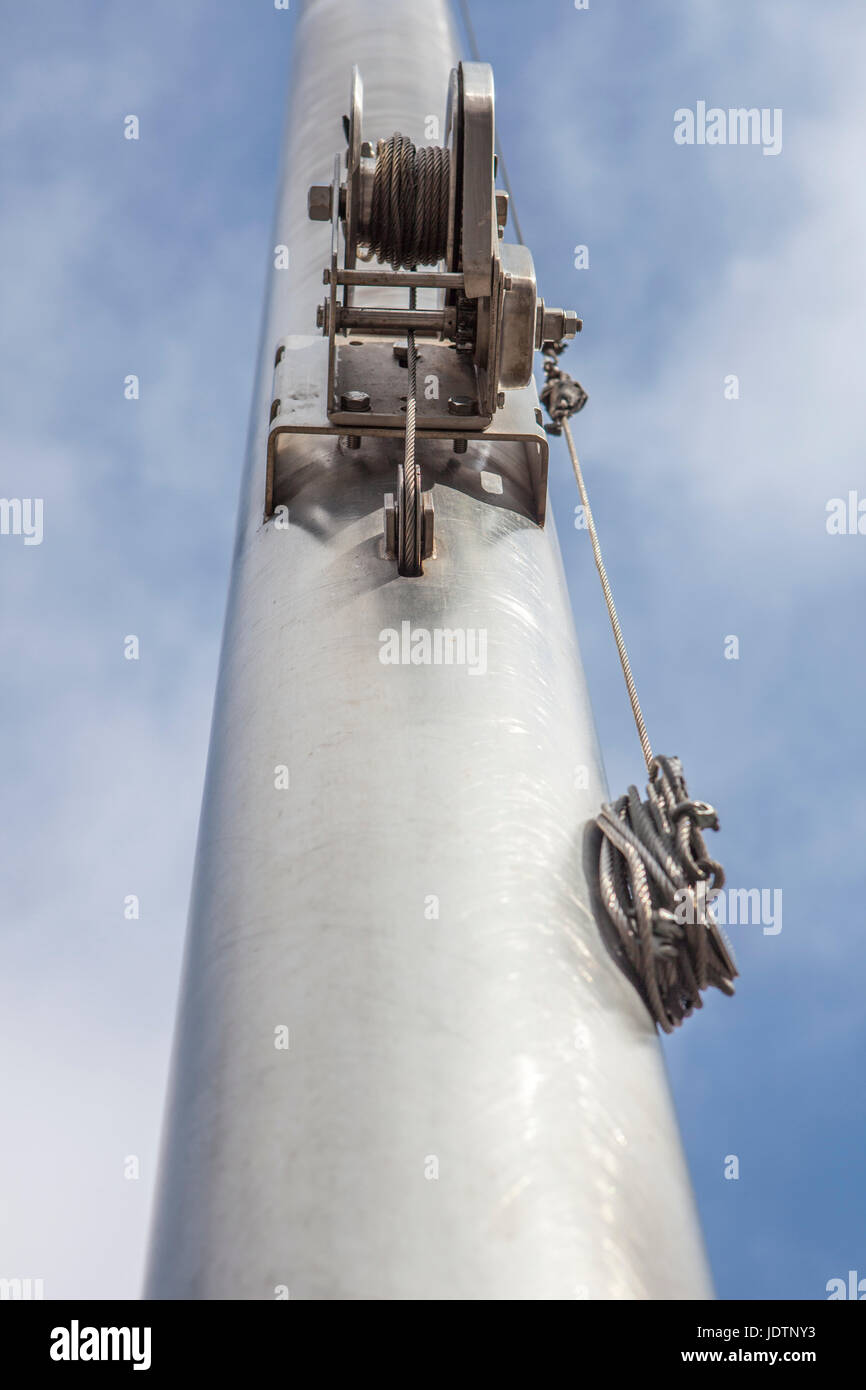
point(320, 202)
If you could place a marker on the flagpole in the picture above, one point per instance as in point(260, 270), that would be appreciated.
point(405, 1066)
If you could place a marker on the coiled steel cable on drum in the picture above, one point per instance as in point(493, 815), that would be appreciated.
point(410, 202)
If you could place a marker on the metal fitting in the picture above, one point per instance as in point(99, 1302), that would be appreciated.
point(320, 202)
point(553, 325)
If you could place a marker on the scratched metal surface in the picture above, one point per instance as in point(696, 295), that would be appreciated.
point(499, 1040)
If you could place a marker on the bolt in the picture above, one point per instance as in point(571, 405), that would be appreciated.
point(320, 316)
point(509, 282)
point(460, 446)
point(461, 405)
point(353, 441)
point(552, 325)
point(326, 276)
point(500, 400)
point(355, 401)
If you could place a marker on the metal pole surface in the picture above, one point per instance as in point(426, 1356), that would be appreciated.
point(472, 1103)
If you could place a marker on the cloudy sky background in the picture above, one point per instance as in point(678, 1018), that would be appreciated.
point(150, 257)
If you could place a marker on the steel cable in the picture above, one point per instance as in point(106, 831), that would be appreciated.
point(652, 859)
point(608, 598)
point(409, 206)
point(409, 480)
point(654, 877)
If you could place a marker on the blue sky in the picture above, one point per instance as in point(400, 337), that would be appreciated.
point(149, 257)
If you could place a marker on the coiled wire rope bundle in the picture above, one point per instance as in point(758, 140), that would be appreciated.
point(653, 879)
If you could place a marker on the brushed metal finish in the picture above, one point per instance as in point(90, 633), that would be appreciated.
point(474, 1105)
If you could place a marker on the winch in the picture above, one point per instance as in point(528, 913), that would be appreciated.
point(392, 210)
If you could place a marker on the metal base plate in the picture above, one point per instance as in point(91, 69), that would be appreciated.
point(443, 374)
point(300, 400)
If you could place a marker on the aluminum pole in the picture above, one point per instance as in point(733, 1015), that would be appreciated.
point(472, 1102)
